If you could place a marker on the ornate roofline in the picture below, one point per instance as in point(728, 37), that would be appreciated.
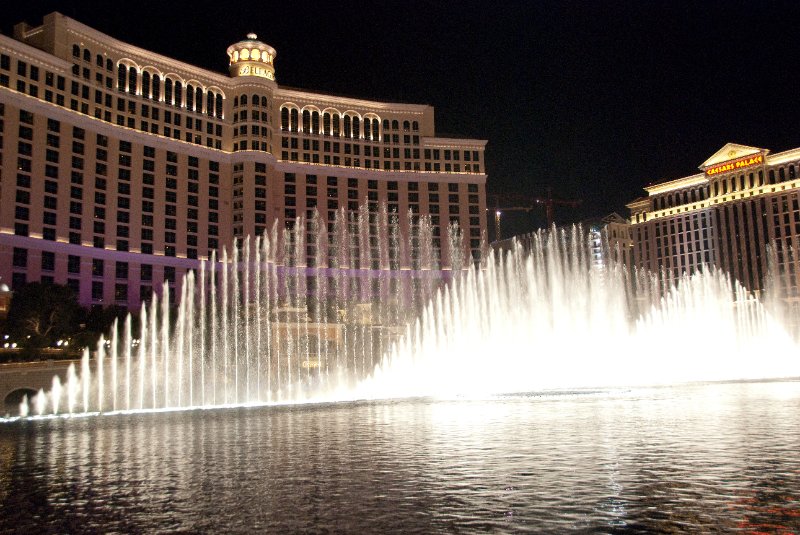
point(678, 183)
point(82, 31)
point(30, 52)
point(317, 98)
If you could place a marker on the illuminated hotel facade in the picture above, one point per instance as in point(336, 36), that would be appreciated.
point(122, 168)
point(743, 200)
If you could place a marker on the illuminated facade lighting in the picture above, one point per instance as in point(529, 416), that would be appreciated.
point(743, 201)
point(123, 168)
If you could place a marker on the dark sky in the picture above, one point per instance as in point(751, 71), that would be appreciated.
point(594, 99)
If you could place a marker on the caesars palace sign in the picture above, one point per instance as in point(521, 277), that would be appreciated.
point(735, 165)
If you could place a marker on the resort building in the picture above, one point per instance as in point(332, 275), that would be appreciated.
point(743, 200)
point(122, 168)
point(610, 240)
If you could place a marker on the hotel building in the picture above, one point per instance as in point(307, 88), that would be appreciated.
point(743, 200)
point(122, 168)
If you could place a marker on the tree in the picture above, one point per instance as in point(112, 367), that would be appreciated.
point(44, 312)
point(98, 321)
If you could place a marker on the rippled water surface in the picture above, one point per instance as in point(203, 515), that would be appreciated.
point(720, 457)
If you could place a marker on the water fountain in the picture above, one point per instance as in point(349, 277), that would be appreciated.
point(355, 312)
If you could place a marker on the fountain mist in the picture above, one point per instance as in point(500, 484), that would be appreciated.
point(351, 311)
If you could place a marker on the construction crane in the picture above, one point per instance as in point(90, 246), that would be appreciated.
point(521, 203)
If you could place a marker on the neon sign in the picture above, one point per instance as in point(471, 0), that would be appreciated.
point(735, 165)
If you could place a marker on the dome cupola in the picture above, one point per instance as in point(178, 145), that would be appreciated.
point(251, 57)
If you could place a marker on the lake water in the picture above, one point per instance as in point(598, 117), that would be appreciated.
point(714, 457)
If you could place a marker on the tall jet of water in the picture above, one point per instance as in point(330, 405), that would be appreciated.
point(353, 311)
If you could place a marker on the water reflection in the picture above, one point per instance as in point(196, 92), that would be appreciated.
point(712, 457)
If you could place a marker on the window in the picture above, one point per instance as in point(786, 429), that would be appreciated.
point(73, 264)
point(97, 291)
point(97, 267)
point(48, 261)
point(20, 258)
point(25, 117)
point(121, 292)
point(145, 293)
point(121, 270)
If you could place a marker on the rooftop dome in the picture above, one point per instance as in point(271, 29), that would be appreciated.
point(251, 57)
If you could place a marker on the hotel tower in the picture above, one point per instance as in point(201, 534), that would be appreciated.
point(744, 203)
point(122, 168)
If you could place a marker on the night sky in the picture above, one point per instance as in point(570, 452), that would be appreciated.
point(594, 99)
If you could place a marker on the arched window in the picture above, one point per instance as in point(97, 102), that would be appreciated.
point(367, 132)
point(326, 123)
point(406, 126)
point(243, 100)
point(295, 120)
point(87, 56)
point(386, 124)
point(76, 51)
point(189, 97)
point(395, 125)
point(415, 126)
point(210, 104)
point(347, 131)
point(178, 93)
point(315, 122)
point(284, 118)
point(792, 172)
point(156, 87)
point(235, 102)
point(168, 91)
point(109, 64)
point(335, 128)
point(255, 100)
point(146, 84)
point(132, 74)
point(122, 76)
point(99, 61)
point(306, 121)
point(263, 102)
point(356, 128)
point(218, 106)
point(375, 130)
point(198, 99)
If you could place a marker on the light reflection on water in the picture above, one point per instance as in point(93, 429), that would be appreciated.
point(715, 457)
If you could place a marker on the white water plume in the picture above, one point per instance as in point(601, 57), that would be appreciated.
point(356, 313)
